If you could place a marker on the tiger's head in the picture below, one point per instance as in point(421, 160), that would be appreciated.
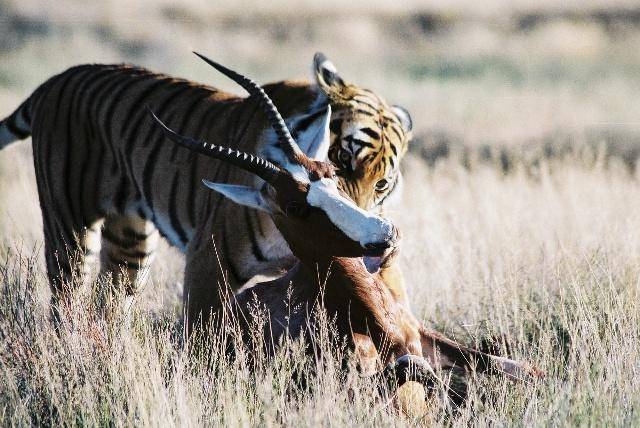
point(368, 138)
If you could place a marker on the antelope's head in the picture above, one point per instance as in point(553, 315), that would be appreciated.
point(316, 218)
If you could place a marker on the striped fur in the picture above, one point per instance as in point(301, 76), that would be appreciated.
point(103, 170)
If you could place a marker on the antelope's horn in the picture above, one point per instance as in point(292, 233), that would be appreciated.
point(287, 142)
point(255, 164)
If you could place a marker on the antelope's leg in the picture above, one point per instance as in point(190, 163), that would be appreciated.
point(446, 353)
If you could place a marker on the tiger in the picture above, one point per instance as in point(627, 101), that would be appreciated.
point(110, 187)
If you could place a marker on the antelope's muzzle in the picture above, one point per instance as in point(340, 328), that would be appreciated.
point(379, 249)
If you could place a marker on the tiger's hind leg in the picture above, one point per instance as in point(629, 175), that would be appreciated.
point(69, 256)
point(128, 248)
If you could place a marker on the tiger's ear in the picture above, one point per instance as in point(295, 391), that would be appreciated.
point(242, 195)
point(327, 77)
point(404, 116)
point(315, 140)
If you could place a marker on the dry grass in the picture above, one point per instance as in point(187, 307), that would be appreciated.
point(551, 263)
point(546, 255)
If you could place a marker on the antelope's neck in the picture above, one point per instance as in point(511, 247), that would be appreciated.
point(367, 305)
point(340, 273)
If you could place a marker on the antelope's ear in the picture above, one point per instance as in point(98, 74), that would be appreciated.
point(327, 77)
point(315, 140)
point(404, 116)
point(243, 195)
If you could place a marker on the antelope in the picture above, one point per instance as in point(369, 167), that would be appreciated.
point(331, 237)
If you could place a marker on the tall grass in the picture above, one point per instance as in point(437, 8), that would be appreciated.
point(547, 264)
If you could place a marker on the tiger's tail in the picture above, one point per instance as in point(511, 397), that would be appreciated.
point(17, 126)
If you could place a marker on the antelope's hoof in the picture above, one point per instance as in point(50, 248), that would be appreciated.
point(534, 372)
point(412, 368)
point(520, 371)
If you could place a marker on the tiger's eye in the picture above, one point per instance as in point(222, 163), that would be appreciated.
point(344, 156)
point(382, 185)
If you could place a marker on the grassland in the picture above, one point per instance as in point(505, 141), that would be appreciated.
point(521, 215)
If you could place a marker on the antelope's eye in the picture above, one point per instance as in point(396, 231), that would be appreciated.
point(344, 156)
point(297, 209)
point(382, 185)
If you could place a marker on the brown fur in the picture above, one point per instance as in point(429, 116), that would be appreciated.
point(379, 327)
point(330, 273)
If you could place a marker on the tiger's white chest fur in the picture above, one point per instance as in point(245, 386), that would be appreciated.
point(272, 245)
point(276, 254)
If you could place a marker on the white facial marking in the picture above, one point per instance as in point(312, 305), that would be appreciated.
point(354, 148)
point(356, 223)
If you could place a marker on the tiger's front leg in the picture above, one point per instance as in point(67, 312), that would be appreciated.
point(392, 276)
